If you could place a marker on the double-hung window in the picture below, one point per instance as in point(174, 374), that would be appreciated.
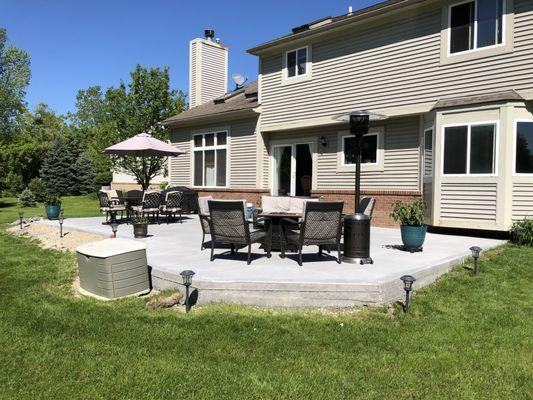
point(475, 24)
point(210, 159)
point(296, 62)
point(370, 149)
point(470, 149)
point(524, 147)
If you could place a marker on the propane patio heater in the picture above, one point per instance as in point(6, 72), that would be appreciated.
point(357, 226)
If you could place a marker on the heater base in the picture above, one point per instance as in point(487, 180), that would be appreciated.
point(361, 261)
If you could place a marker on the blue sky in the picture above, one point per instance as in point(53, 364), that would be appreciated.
point(77, 44)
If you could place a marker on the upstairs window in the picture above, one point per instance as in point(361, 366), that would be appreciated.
point(524, 148)
point(476, 24)
point(297, 62)
point(469, 149)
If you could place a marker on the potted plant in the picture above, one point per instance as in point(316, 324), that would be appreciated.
point(52, 206)
point(140, 225)
point(412, 227)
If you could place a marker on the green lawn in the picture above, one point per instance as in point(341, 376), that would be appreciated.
point(74, 206)
point(465, 337)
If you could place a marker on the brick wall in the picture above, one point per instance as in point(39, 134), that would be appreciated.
point(382, 208)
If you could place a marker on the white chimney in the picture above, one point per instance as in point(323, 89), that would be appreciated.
point(208, 69)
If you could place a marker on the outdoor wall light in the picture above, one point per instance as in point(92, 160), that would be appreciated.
point(114, 228)
point(61, 220)
point(407, 286)
point(187, 280)
point(323, 141)
point(21, 217)
point(475, 255)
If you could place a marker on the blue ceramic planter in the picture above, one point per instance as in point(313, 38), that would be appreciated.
point(413, 236)
point(52, 211)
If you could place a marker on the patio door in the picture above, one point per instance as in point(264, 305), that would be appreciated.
point(292, 169)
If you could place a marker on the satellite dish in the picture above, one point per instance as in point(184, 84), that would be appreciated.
point(239, 80)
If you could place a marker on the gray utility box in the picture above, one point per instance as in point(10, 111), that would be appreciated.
point(113, 268)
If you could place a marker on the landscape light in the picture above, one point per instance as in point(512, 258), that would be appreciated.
point(187, 280)
point(407, 286)
point(114, 228)
point(475, 255)
point(61, 219)
point(21, 216)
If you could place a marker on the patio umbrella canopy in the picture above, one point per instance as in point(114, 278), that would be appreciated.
point(143, 145)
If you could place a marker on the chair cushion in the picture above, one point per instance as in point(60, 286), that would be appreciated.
point(297, 204)
point(202, 204)
point(275, 203)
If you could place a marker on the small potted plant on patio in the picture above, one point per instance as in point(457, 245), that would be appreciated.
point(140, 225)
point(412, 227)
point(52, 205)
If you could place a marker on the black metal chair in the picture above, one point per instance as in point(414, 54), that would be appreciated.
point(366, 206)
point(110, 207)
point(321, 226)
point(228, 225)
point(172, 205)
point(150, 204)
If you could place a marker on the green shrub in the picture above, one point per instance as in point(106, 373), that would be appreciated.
point(38, 188)
point(409, 214)
point(522, 232)
point(163, 185)
point(103, 179)
point(27, 198)
point(52, 199)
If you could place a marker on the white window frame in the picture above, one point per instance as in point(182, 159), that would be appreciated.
point(469, 125)
point(297, 75)
point(286, 80)
point(203, 148)
point(475, 49)
point(516, 122)
point(377, 166)
point(432, 153)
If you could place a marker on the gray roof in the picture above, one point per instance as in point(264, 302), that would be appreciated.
point(326, 23)
point(236, 103)
point(485, 98)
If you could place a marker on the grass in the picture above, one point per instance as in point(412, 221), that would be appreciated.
point(74, 206)
point(466, 337)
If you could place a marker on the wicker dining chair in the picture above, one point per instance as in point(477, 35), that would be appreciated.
point(110, 206)
point(229, 225)
point(321, 226)
point(149, 205)
point(203, 214)
point(172, 205)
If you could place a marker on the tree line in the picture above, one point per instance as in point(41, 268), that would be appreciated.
point(63, 154)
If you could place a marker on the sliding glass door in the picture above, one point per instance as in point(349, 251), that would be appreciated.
point(292, 169)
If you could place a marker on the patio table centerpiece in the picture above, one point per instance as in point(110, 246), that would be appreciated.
point(412, 227)
point(140, 225)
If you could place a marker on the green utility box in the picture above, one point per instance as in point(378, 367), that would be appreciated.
point(113, 268)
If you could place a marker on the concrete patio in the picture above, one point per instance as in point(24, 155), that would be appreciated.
point(321, 282)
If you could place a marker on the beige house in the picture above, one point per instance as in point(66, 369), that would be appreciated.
point(455, 79)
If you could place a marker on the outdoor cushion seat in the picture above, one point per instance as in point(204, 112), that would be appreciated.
point(284, 204)
point(150, 204)
point(256, 236)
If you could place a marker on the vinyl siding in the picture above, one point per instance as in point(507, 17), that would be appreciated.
point(390, 64)
point(242, 153)
point(522, 200)
point(468, 201)
point(401, 157)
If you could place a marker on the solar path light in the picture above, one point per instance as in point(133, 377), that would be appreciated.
point(187, 280)
point(407, 287)
point(476, 250)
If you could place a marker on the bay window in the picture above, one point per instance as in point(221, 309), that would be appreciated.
point(524, 147)
point(469, 149)
point(428, 152)
point(210, 159)
point(475, 24)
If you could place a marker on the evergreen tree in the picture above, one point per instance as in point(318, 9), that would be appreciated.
point(85, 175)
point(58, 171)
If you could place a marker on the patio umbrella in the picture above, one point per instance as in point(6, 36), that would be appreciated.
point(143, 145)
